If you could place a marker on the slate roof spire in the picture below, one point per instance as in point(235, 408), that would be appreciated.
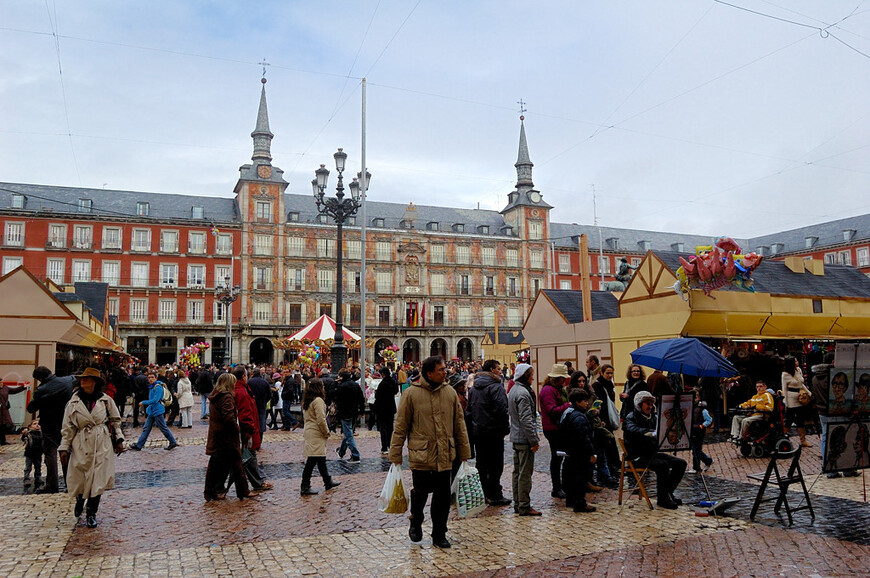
point(262, 135)
point(524, 164)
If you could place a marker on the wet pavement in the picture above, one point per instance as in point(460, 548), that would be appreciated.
point(156, 523)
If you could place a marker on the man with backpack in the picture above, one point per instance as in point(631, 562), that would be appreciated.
point(155, 408)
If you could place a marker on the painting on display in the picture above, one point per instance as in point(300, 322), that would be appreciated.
point(861, 386)
point(840, 392)
point(674, 423)
point(848, 446)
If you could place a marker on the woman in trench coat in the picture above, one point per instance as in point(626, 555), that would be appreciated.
point(87, 450)
point(224, 443)
point(315, 434)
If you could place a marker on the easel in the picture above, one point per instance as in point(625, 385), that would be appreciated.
point(793, 476)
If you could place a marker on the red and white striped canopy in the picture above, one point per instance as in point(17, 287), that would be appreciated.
point(322, 328)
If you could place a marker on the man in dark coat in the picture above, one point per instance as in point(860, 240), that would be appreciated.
point(262, 395)
point(385, 408)
point(140, 393)
point(349, 402)
point(490, 423)
point(204, 385)
point(50, 400)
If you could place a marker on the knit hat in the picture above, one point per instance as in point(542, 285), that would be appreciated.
point(640, 396)
point(276, 375)
point(521, 370)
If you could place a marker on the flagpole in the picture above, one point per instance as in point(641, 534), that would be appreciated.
point(364, 185)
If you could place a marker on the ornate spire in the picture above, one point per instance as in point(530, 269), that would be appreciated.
point(524, 164)
point(262, 135)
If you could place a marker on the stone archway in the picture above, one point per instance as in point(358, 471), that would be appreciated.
point(411, 351)
point(261, 351)
point(380, 345)
point(438, 347)
point(465, 349)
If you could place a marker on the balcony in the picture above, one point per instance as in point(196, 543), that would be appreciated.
point(140, 248)
point(56, 244)
point(262, 286)
point(82, 244)
point(199, 249)
point(169, 247)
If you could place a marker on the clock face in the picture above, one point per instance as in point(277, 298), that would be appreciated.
point(264, 171)
point(535, 196)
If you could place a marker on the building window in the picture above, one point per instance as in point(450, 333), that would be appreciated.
point(355, 315)
point(294, 313)
point(536, 258)
point(830, 258)
point(11, 263)
point(264, 211)
point(112, 273)
point(384, 282)
point(326, 248)
point(57, 236)
point(143, 209)
point(488, 255)
point(293, 217)
point(354, 282)
point(489, 315)
point(512, 257)
point(515, 317)
point(18, 201)
point(168, 275)
point(353, 249)
point(224, 244)
point(383, 251)
point(564, 263)
point(296, 280)
point(463, 254)
point(114, 305)
point(383, 315)
point(490, 285)
point(464, 286)
point(111, 238)
point(322, 218)
point(378, 222)
point(863, 255)
point(167, 311)
point(196, 213)
point(81, 271)
point(138, 310)
point(436, 253)
point(296, 246)
point(141, 240)
point(464, 316)
point(222, 276)
point(85, 205)
point(139, 274)
point(844, 257)
point(195, 312)
point(55, 269)
point(604, 265)
point(512, 286)
point(438, 315)
point(325, 309)
point(82, 237)
point(196, 276)
point(635, 262)
point(219, 311)
point(14, 235)
point(262, 312)
point(324, 280)
point(432, 226)
point(536, 286)
point(483, 229)
point(263, 278)
point(169, 241)
point(536, 230)
point(459, 228)
point(564, 284)
point(196, 243)
point(262, 244)
point(437, 283)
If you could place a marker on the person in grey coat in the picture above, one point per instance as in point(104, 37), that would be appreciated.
point(524, 437)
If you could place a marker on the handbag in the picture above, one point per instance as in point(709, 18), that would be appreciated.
point(805, 397)
point(395, 496)
point(470, 500)
point(612, 414)
point(247, 455)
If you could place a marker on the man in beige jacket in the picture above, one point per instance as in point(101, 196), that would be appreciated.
point(431, 419)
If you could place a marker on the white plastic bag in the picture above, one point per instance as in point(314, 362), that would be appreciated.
point(470, 500)
point(395, 496)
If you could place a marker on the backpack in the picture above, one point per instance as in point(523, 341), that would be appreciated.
point(167, 396)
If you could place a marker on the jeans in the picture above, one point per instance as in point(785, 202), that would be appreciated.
point(438, 484)
point(555, 443)
point(161, 425)
point(490, 464)
point(696, 442)
point(35, 464)
point(288, 420)
point(524, 466)
point(348, 441)
point(204, 412)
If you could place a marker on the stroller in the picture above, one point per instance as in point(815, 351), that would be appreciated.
point(767, 435)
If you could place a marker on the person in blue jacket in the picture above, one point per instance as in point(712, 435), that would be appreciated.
point(154, 410)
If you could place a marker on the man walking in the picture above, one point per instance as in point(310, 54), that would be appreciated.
point(262, 394)
point(431, 419)
point(488, 408)
point(204, 385)
point(50, 400)
point(349, 403)
point(154, 412)
point(524, 437)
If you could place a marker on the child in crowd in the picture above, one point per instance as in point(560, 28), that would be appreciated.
point(701, 421)
point(32, 438)
point(576, 430)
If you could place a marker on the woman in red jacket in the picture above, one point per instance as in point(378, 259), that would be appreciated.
point(553, 402)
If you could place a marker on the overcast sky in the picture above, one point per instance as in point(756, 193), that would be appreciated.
point(689, 116)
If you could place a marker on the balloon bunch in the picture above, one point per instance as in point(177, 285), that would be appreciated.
point(389, 353)
point(309, 355)
point(190, 354)
point(715, 266)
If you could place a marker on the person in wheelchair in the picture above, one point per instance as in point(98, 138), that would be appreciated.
point(762, 402)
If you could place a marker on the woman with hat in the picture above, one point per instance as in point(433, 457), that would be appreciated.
point(90, 437)
point(553, 402)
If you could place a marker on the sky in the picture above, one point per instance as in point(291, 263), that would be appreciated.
point(693, 116)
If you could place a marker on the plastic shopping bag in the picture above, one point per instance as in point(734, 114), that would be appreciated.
point(470, 500)
point(394, 497)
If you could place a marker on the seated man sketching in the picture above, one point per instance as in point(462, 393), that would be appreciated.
point(641, 443)
point(761, 401)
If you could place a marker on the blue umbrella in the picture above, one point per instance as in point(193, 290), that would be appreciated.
point(684, 355)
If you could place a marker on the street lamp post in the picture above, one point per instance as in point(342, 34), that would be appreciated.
point(227, 295)
point(340, 209)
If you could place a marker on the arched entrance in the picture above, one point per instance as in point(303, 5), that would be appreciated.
point(438, 347)
point(464, 349)
point(411, 351)
point(261, 351)
point(380, 345)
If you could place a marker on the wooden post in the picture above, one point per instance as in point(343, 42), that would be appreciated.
point(585, 281)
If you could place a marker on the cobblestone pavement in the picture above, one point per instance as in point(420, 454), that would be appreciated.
point(156, 523)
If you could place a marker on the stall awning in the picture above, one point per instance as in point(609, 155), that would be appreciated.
point(79, 335)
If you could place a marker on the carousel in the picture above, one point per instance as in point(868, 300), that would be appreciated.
point(312, 343)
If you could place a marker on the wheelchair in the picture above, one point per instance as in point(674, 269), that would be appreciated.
point(765, 436)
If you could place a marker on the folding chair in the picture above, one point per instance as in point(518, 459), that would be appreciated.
point(628, 465)
point(794, 476)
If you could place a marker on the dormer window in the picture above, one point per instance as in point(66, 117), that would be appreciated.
point(143, 209)
point(459, 228)
point(321, 218)
point(810, 242)
point(293, 217)
point(678, 247)
point(378, 222)
point(483, 229)
point(403, 224)
point(776, 248)
point(644, 245)
point(196, 213)
point(350, 221)
point(85, 205)
point(848, 234)
point(512, 198)
point(432, 226)
point(19, 201)
point(612, 243)
point(763, 250)
point(507, 230)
